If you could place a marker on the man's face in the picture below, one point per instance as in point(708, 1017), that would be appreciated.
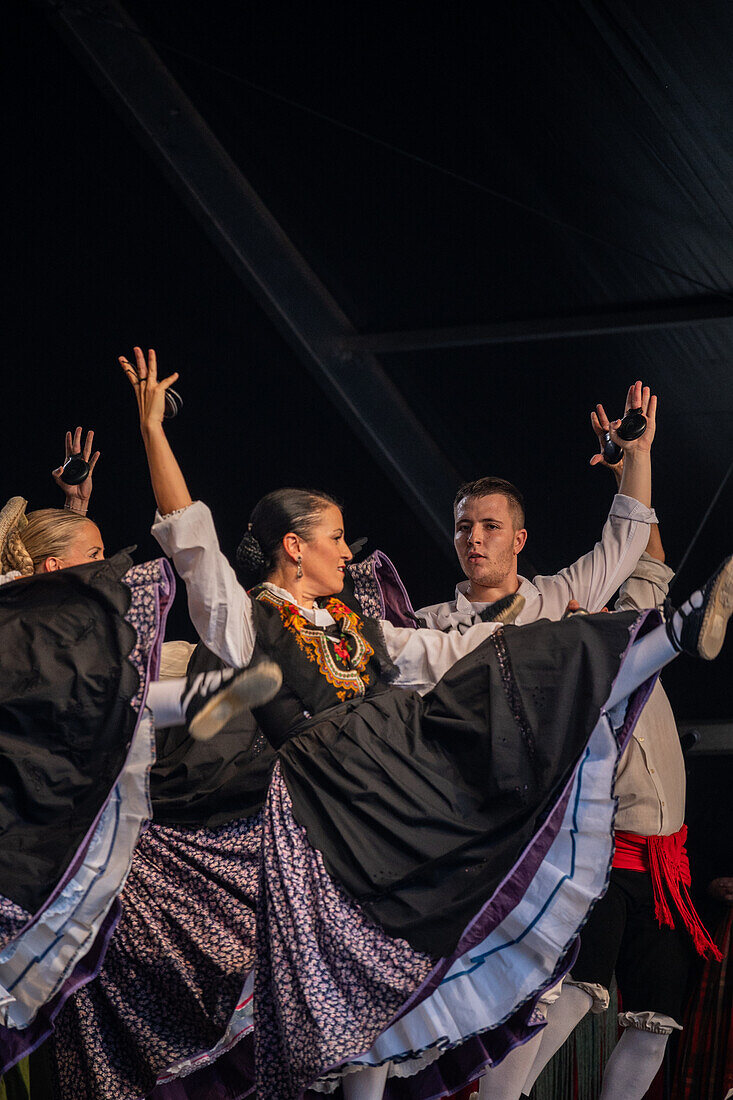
point(487, 541)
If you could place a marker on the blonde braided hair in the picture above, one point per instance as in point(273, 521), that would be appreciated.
point(46, 533)
point(15, 557)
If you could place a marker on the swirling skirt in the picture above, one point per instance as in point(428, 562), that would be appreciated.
point(477, 822)
point(175, 989)
point(75, 749)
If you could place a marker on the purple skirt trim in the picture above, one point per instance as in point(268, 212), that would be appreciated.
point(35, 970)
point(152, 587)
point(16, 1044)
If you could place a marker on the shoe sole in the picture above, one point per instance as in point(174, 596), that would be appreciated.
point(252, 688)
point(717, 613)
point(510, 613)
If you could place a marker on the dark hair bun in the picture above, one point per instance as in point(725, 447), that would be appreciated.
point(250, 561)
point(283, 510)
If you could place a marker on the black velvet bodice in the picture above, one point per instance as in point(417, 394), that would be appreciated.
point(322, 667)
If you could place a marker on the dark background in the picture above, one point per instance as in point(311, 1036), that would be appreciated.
point(614, 121)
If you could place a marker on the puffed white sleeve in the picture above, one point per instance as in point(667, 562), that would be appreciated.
point(220, 609)
point(423, 656)
point(594, 578)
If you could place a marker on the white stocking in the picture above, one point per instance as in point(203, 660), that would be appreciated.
point(562, 1019)
point(168, 699)
point(505, 1081)
point(366, 1084)
point(633, 1065)
point(165, 699)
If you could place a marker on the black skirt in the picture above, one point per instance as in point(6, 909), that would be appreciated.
point(420, 805)
point(66, 720)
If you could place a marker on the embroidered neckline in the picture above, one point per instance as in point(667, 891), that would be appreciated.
point(342, 658)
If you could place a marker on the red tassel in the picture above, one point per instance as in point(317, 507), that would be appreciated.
point(665, 859)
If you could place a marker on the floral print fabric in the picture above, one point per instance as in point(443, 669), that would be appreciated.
point(339, 978)
point(174, 968)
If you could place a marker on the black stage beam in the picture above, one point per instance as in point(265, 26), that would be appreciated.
point(127, 68)
point(665, 315)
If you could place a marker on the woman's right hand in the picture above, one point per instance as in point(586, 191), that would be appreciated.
point(149, 392)
point(77, 496)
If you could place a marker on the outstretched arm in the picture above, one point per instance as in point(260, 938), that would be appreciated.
point(220, 609)
point(169, 484)
point(648, 584)
point(600, 424)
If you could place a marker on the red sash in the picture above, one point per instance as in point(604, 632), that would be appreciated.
point(665, 859)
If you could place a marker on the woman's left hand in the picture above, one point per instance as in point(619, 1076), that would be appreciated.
point(77, 496)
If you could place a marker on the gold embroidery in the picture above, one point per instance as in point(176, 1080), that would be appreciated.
point(342, 659)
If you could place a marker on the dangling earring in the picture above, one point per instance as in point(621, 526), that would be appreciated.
point(299, 570)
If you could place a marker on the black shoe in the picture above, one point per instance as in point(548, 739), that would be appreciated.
point(703, 628)
point(215, 697)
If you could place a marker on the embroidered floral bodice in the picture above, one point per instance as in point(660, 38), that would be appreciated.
point(341, 653)
point(338, 658)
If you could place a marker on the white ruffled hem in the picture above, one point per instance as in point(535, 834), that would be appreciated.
point(488, 984)
point(408, 1068)
point(36, 964)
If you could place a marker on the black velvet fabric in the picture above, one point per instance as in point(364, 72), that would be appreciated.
point(209, 783)
point(305, 690)
point(65, 717)
point(420, 806)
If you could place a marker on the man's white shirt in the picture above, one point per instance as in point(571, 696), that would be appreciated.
point(591, 580)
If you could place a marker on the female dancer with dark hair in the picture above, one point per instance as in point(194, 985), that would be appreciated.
point(408, 917)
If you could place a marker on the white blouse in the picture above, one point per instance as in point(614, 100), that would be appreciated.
point(221, 610)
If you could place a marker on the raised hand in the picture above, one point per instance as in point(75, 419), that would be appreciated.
point(77, 496)
point(638, 397)
point(168, 482)
point(149, 392)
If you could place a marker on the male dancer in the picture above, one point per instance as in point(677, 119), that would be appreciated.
point(490, 533)
point(633, 929)
point(622, 932)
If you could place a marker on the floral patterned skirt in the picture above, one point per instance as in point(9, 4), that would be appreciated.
point(171, 994)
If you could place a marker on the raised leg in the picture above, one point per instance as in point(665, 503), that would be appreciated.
point(633, 1065)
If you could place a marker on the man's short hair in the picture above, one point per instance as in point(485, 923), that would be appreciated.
point(485, 486)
